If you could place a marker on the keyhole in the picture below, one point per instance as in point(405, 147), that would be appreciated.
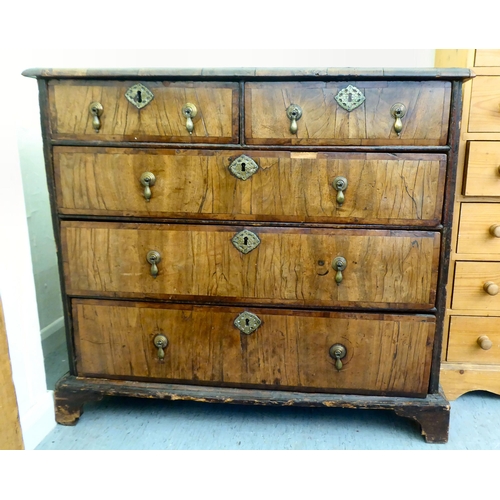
point(245, 242)
point(243, 167)
point(247, 321)
point(138, 96)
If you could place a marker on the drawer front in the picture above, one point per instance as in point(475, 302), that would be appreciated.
point(468, 334)
point(324, 121)
point(295, 187)
point(290, 266)
point(289, 350)
point(490, 57)
point(161, 120)
point(479, 230)
point(484, 113)
point(483, 169)
point(470, 290)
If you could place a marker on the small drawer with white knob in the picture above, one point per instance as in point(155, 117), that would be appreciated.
point(482, 177)
point(479, 230)
point(474, 339)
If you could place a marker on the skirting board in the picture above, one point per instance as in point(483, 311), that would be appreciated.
point(38, 421)
point(49, 330)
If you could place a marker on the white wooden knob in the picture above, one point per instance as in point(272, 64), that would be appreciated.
point(484, 342)
point(495, 230)
point(490, 288)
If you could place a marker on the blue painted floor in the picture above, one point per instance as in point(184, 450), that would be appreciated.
point(136, 424)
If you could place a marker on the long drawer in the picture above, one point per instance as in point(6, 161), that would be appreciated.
point(376, 188)
point(347, 113)
point(289, 266)
point(178, 111)
point(383, 354)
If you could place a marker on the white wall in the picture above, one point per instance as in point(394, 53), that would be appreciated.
point(28, 257)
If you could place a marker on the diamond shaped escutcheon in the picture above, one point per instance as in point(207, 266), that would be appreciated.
point(350, 98)
point(243, 167)
point(245, 241)
point(247, 322)
point(139, 95)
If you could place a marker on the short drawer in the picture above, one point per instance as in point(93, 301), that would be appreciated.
point(484, 115)
point(213, 118)
point(487, 57)
point(474, 339)
point(476, 286)
point(251, 185)
point(289, 349)
point(482, 176)
point(269, 117)
point(479, 230)
point(260, 265)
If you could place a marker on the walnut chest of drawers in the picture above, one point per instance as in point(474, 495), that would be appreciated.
point(254, 236)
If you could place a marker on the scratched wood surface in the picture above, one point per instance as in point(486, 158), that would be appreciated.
point(293, 187)
point(291, 266)
point(323, 121)
point(386, 355)
point(160, 120)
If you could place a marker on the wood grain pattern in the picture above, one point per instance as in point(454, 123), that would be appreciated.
point(487, 57)
point(468, 292)
point(464, 332)
point(385, 354)
point(323, 121)
point(459, 378)
point(291, 187)
point(161, 120)
point(485, 104)
point(11, 437)
point(482, 177)
point(291, 266)
point(474, 231)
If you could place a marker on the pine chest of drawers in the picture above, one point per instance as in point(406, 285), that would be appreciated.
point(254, 236)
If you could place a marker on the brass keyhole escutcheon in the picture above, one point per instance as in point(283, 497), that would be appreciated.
point(147, 179)
point(398, 110)
point(189, 111)
point(338, 352)
point(96, 110)
point(154, 258)
point(339, 264)
point(294, 113)
point(160, 342)
point(340, 185)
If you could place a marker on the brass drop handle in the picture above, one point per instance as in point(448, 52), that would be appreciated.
point(398, 110)
point(189, 111)
point(338, 352)
point(160, 342)
point(96, 109)
point(490, 288)
point(340, 185)
point(294, 112)
point(339, 264)
point(154, 258)
point(147, 179)
point(495, 230)
point(484, 342)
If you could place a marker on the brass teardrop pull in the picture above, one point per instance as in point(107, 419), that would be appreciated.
point(338, 352)
point(160, 342)
point(96, 109)
point(398, 110)
point(189, 111)
point(339, 264)
point(340, 185)
point(294, 112)
point(154, 258)
point(147, 179)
